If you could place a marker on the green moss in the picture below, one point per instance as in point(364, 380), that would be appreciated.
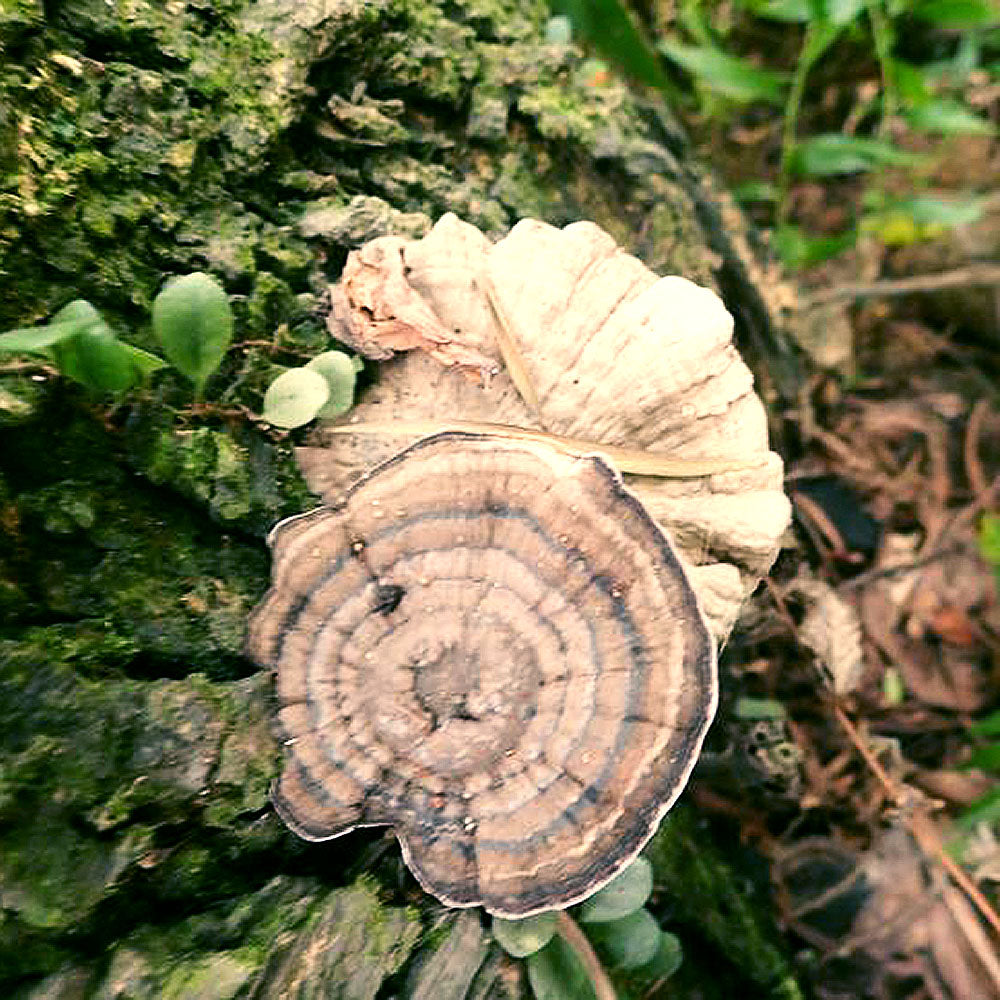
point(214, 977)
point(83, 760)
point(712, 901)
point(291, 938)
point(361, 219)
point(231, 105)
point(238, 477)
point(123, 554)
point(20, 398)
point(26, 951)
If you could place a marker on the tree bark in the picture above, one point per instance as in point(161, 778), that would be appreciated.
point(260, 141)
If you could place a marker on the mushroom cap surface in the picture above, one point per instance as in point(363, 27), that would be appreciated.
point(492, 647)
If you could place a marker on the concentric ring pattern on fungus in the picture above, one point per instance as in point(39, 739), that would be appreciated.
point(491, 647)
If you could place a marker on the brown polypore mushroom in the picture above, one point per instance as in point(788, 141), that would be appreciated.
point(491, 646)
point(488, 641)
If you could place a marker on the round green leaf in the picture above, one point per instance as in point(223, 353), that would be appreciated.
point(555, 973)
point(668, 957)
point(621, 896)
point(524, 937)
point(295, 397)
point(340, 374)
point(192, 318)
point(630, 942)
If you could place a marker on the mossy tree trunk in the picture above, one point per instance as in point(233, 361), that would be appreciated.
point(260, 141)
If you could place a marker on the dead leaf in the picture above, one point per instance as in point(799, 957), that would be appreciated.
point(832, 630)
point(882, 917)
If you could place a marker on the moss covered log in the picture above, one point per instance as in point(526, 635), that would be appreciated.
point(260, 141)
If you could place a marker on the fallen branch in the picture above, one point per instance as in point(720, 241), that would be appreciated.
point(961, 277)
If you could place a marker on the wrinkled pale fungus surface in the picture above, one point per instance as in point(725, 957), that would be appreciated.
point(613, 355)
point(492, 647)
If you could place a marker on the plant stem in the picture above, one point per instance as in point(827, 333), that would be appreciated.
point(790, 126)
point(882, 36)
point(570, 932)
point(818, 38)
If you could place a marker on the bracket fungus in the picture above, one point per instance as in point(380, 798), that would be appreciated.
point(498, 635)
point(491, 646)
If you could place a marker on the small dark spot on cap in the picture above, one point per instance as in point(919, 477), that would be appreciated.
point(387, 597)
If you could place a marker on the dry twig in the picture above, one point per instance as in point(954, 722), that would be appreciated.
point(960, 277)
point(923, 828)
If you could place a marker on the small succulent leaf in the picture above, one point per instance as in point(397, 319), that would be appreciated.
point(521, 938)
point(358, 364)
point(73, 318)
point(194, 322)
point(93, 356)
point(340, 374)
point(555, 973)
point(668, 957)
point(79, 311)
point(726, 74)
point(621, 896)
point(630, 942)
point(295, 397)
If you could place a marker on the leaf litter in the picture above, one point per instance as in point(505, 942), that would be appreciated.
point(877, 872)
